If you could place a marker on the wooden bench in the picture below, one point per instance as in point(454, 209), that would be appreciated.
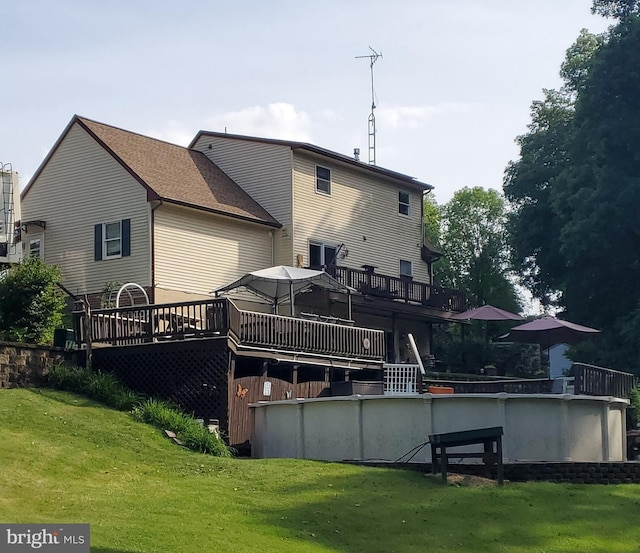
point(485, 436)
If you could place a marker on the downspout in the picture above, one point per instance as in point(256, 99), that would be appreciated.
point(153, 250)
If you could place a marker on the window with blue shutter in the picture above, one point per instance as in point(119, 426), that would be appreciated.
point(112, 240)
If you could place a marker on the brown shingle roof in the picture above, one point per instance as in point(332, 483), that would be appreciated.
point(177, 175)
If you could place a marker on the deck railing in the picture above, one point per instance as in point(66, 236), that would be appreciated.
point(199, 319)
point(292, 334)
point(145, 323)
point(597, 381)
point(399, 288)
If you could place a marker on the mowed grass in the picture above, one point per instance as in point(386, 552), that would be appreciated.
point(65, 459)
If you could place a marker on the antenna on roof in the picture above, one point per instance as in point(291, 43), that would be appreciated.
point(373, 57)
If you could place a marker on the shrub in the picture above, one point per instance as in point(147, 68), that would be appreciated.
point(103, 387)
point(31, 304)
point(193, 434)
point(162, 415)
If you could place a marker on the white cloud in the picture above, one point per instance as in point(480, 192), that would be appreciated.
point(277, 120)
point(413, 117)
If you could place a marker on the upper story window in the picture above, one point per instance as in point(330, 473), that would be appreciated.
point(323, 180)
point(322, 255)
point(112, 240)
point(404, 203)
point(406, 268)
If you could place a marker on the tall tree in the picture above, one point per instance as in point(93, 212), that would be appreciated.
point(600, 196)
point(531, 181)
point(576, 226)
point(474, 241)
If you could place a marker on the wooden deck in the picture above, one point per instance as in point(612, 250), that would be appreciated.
point(220, 317)
point(404, 289)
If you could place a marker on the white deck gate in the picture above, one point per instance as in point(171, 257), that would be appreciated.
point(401, 378)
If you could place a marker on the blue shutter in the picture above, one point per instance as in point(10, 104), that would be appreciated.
point(126, 237)
point(97, 242)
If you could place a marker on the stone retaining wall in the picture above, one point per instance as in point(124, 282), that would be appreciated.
point(26, 365)
point(578, 473)
point(623, 472)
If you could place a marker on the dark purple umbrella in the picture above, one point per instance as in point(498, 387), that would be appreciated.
point(487, 313)
point(549, 331)
point(484, 313)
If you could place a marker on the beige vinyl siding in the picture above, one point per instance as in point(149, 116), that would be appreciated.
point(264, 171)
point(361, 213)
point(82, 185)
point(196, 252)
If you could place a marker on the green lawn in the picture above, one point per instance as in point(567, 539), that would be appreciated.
point(66, 459)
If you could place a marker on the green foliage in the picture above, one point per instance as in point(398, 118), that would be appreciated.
point(633, 411)
point(474, 240)
point(476, 350)
point(161, 414)
point(530, 183)
point(108, 294)
point(31, 305)
point(578, 62)
point(194, 435)
point(533, 222)
point(575, 193)
point(431, 217)
point(618, 9)
point(107, 389)
point(103, 387)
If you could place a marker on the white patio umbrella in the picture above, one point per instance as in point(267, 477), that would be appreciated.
point(281, 282)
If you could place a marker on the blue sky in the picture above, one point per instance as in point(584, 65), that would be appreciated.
point(453, 87)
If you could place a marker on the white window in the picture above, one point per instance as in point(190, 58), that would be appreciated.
point(404, 203)
point(323, 180)
point(35, 247)
point(406, 268)
point(322, 255)
point(111, 240)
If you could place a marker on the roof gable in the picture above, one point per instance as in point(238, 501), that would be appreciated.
point(173, 173)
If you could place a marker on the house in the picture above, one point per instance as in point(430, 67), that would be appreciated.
point(112, 206)
point(108, 205)
point(361, 223)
